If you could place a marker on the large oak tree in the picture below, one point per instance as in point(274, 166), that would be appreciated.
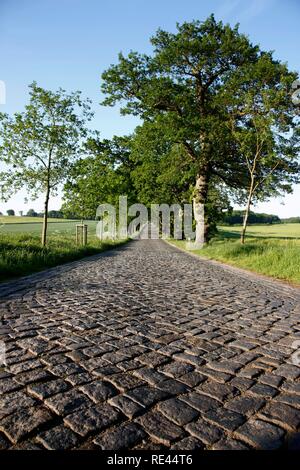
point(179, 85)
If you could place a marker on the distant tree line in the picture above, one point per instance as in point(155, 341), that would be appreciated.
point(51, 214)
point(291, 220)
point(236, 217)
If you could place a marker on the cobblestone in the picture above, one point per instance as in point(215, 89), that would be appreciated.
point(147, 347)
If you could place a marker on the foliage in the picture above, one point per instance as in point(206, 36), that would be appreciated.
point(236, 218)
point(31, 213)
point(40, 145)
point(291, 220)
point(101, 177)
point(200, 88)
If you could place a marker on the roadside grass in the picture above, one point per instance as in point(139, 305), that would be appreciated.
point(22, 254)
point(277, 256)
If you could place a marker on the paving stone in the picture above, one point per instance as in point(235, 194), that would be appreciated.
point(191, 379)
point(270, 379)
point(261, 435)
point(288, 371)
point(24, 421)
point(149, 375)
point(187, 443)
point(289, 399)
point(220, 377)
point(123, 381)
point(128, 407)
point(293, 441)
point(217, 391)
point(200, 402)
point(263, 390)
point(65, 402)
point(227, 419)
point(31, 376)
point(93, 418)
point(63, 370)
point(148, 444)
point(291, 387)
point(177, 411)
point(28, 444)
point(8, 385)
point(230, 367)
point(104, 371)
point(146, 396)
point(152, 359)
point(172, 387)
point(204, 431)
point(281, 414)
point(99, 390)
point(58, 438)
point(159, 427)
point(189, 359)
point(229, 444)
point(245, 404)
point(24, 366)
point(123, 437)
point(11, 402)
point(47, 389)
point(79, 379)
point(242, 383)
point(176, 369)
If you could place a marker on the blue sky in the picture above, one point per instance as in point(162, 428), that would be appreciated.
point(69, 43)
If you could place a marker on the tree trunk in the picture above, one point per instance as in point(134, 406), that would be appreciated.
point(199, 201)
point(45, 220)
point(247, 210)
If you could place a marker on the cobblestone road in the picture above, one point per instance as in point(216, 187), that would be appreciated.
point(146, 347)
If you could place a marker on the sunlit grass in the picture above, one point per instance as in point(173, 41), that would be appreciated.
point(279, 258)
point(22, 254)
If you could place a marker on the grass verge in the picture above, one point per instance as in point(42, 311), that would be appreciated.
point(272, 257)
point(22, 254)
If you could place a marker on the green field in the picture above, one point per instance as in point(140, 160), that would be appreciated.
point(272, 250)
point(33, 225)
point(283, 231)
point(21, 252)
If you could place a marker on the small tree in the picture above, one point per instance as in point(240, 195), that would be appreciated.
point(10, 212)
point(31, 213)
point(40, 145)
point(265, 128)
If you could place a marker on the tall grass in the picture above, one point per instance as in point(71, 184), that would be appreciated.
point(22, 254)
point(273, 257)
